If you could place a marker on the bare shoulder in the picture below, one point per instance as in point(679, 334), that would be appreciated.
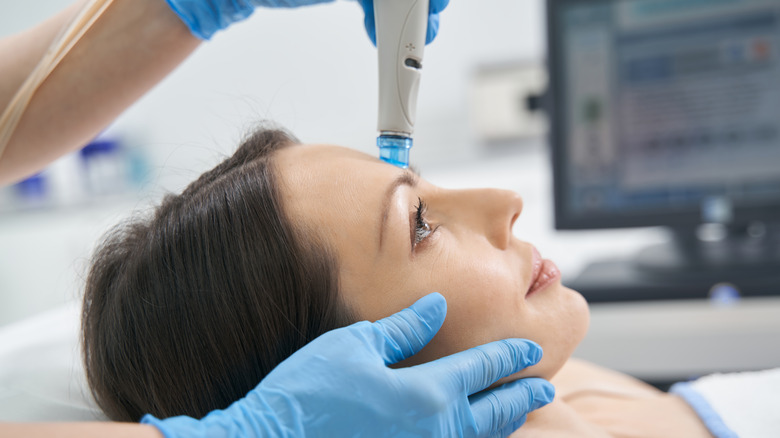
point(559, 420)
point(579, 376)
point(622, 405)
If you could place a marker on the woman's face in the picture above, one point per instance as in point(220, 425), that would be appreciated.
point(461, 246)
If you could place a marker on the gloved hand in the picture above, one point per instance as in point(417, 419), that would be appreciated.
point(340, 385)
point(434, 9)
point(206, 17)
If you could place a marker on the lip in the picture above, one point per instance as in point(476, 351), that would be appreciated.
point(545, 272)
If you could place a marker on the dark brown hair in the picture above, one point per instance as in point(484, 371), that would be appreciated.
point(186, 311)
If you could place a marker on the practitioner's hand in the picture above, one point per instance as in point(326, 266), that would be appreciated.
point(206, 17)
point(433, 18)
point(340, 385)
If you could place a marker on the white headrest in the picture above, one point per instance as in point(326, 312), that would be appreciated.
point(41, 373)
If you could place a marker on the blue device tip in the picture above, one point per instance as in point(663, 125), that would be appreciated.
point(394, 149)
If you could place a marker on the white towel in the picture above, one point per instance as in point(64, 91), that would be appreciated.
point(744, 405)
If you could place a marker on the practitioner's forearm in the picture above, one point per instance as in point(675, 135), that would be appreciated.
point(21, 52)
point(133, 46)
point(79, 430)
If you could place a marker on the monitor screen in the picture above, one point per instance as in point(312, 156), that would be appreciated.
point(664, 112)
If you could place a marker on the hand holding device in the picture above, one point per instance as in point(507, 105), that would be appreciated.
point(340, 385)
point(206, 17)
point(434, 9)
point(402, 30)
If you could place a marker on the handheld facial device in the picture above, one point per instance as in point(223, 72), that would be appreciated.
point(401, 27)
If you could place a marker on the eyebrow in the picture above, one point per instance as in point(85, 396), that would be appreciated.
point(407, 178)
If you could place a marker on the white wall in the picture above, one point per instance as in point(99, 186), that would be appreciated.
point(312, 70)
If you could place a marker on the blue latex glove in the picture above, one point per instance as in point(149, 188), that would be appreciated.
point(206, 17)
point(433, 18)
point(340, 385)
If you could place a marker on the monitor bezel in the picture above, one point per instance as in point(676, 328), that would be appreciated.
point(565, 219)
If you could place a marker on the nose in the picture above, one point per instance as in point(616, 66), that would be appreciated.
point(492, 212)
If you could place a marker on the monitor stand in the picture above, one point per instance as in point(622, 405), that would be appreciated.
point(745, 260)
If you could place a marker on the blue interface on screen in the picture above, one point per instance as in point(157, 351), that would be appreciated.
point(671, 102)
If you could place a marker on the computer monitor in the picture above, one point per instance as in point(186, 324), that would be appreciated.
point(665, 112)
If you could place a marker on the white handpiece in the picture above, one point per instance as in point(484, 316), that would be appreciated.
point(401, 27)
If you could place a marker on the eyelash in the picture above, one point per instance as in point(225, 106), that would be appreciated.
point(422, 229)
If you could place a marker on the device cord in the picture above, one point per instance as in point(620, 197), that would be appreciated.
point(62, 45)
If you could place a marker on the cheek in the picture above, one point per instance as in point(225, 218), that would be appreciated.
point(484, 301)
point(380, 294)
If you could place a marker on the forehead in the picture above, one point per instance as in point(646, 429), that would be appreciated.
point(307, 161)
point(332, 190)
point(309, 173)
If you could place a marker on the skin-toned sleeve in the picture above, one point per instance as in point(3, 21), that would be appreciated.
point(130, 48)
point(79, 430)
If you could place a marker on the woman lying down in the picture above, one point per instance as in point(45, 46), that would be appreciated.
point(189, 309)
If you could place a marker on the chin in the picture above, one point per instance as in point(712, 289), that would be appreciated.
point(559, 349)
point(578, 319)
point(580, 315)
